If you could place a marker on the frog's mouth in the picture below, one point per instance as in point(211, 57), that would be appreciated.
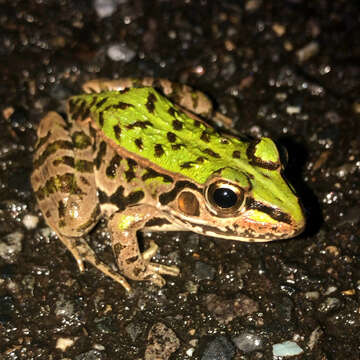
point(251, 227)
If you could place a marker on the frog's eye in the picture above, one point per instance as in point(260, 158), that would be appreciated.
point(224, 197)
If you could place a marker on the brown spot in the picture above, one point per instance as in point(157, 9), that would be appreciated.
point(205, 136)
point(117, 248)
point(132, 259)
point(236, 154)
point(52, 148)
point(100, 154)
point(139, 143)
point(118, 198)
point(157, 222)
point(150, 104)
point(84, 180)
point(84, 166)
point(171, 136)
point(224, 141)
point(101, 119)
point(169, 196)
point(211, 153)
point(159, 151)
point(79, 109)
point(130, 172)
point(188, 203)
point(61, 209)
point(113, 166)
point(66, 160)
point(177, 125)
point(117, 132)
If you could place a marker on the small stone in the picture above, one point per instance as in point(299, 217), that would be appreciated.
point(220, 348)
point(120, 52)
point(308, 51)
point(204, 271)
point(248, 342)
point(287, 348)
point(64, 343)
point(225, 310)
point(105, 8)
point(30, 221)
point(162, 342)
point(11, 246)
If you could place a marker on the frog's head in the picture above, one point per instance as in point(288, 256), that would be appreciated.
point(248, 201)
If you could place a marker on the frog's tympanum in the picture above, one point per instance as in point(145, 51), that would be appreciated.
point(140, 153)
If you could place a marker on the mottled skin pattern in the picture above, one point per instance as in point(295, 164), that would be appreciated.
point(130, 154)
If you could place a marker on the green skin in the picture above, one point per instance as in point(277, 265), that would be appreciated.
point(131, 154)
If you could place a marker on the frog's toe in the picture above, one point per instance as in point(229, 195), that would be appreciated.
point(163, 269)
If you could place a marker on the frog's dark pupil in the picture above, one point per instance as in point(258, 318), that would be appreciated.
point(224, 197)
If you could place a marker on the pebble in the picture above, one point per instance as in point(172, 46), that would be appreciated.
point(162, 342)
point(220, 348)
point(287, 348)
point(30, 221)
point(204, 271)
point(248, 342)
point(120, 52)
point(11, 246)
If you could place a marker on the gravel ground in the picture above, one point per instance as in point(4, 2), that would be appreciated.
point(285, 69)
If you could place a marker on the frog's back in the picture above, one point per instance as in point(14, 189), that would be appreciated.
point(149, 126)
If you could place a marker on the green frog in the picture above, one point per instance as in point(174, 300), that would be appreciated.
point(141, 153)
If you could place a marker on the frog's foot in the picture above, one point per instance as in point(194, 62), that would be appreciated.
point(134, 264)
point(81, 251)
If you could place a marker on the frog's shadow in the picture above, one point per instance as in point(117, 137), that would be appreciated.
point(297, 158)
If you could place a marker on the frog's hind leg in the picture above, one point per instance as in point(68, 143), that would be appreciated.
point(81, 251)
point(64, 185)
point(134, 264)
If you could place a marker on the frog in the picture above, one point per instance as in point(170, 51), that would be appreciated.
point(145, 155)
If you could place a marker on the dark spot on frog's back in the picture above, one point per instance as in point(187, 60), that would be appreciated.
point(139, 143)
point(177, 125)
point(236, 154)
point(101, 103)
point(140, 124)
point(211, 153)
point(159, 151)
point(117, 131)
point(171, 137)
point(150, 104)
point(120, 105)
point(205, 136)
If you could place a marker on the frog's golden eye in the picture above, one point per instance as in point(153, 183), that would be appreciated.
point(224, 197)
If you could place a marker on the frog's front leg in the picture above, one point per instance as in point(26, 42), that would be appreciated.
point(132, 263)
